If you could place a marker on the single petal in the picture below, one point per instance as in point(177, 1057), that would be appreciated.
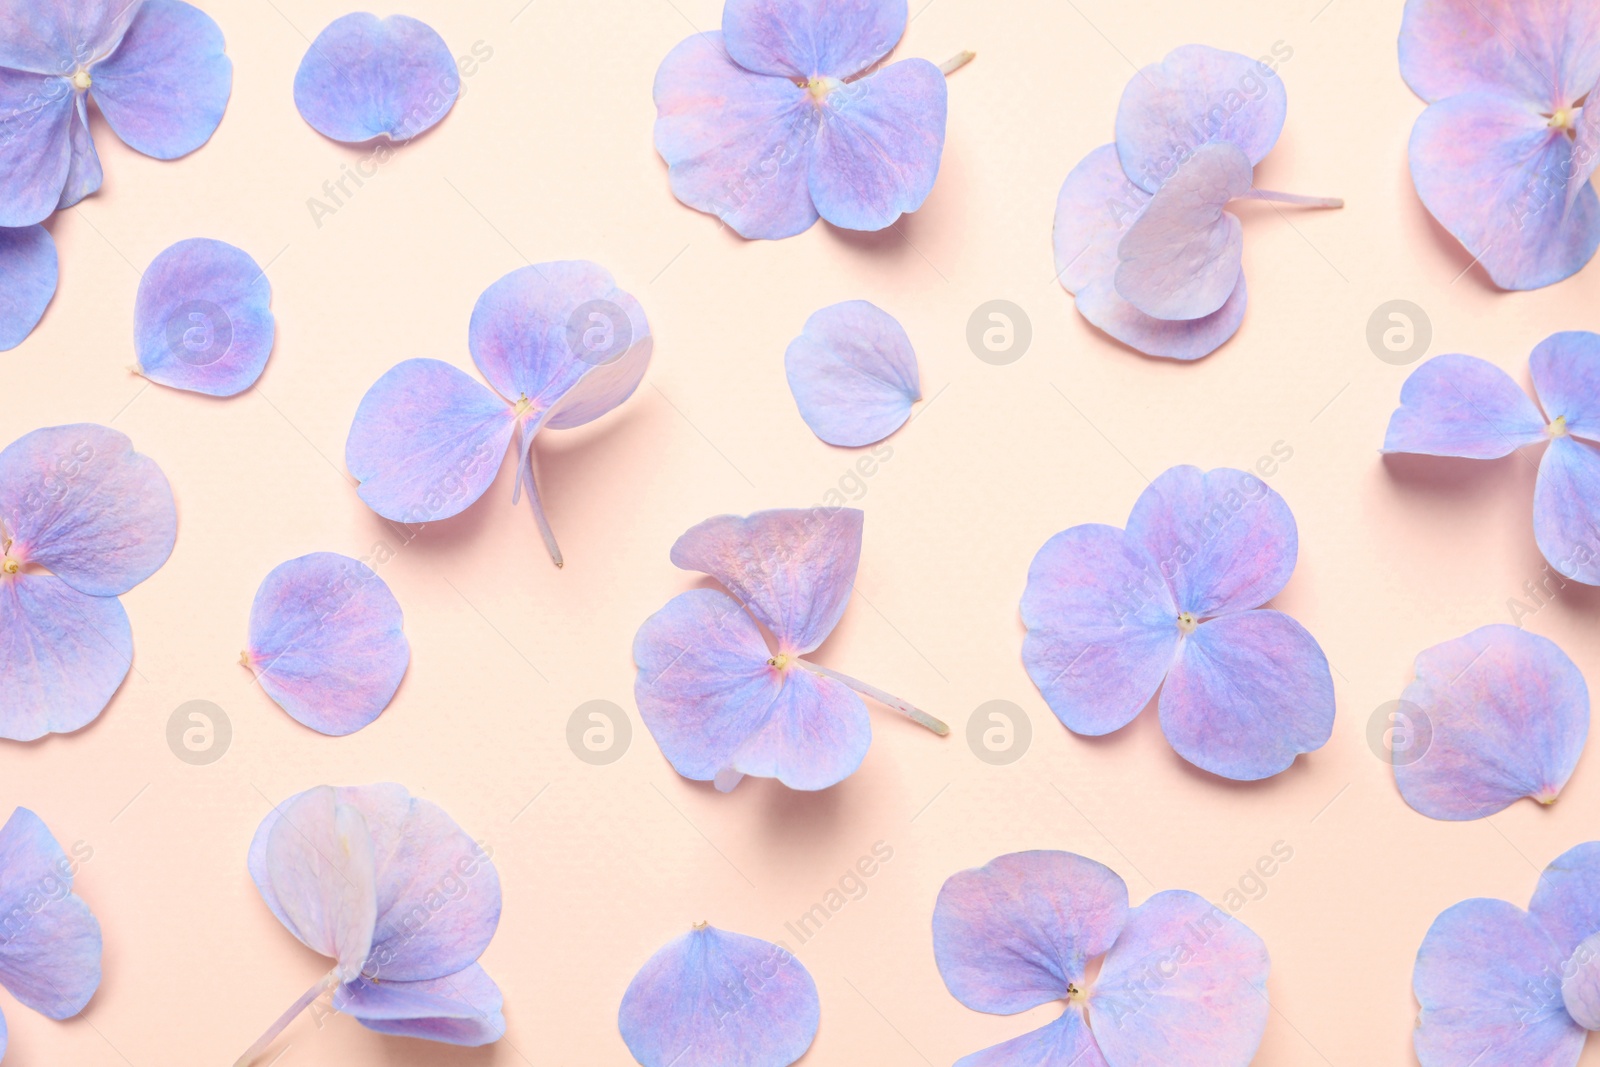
point(427, 441)
point(1488, 979)
point(853, 374)
point(320, 863)
point(815, 735)
point(28, 273)
point(1197, 95)
point(1566, 508)
point(164, 89)
point(203, 318)
point(1585, 148)
point(49, 939)
point(326, 639)
point(62, 655)
point(1102, 628)
point(1507, 713)
point(1096, 207)
point(1566, 901)
point(793, 569)
point(1184, 986)
point(1495, 174)
point(80, 501)
point(366, 77)
point(712, 998)
point(1462, 406)
point(878, 151)
point(805, 39)
point(36, 115)
point(1545, 53)
point(1223, 540)
point(4, 1037)
point(56, 36)
point(736, 144)
point(1020, 930)
point(1566, 375)
point(1066, 1042)
point(1580, 984)
point(84, 173)
point(1247, 694)
point(458, 1009)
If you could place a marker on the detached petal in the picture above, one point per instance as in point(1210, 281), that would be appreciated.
point(367, 77)
point(458, 1009)
point(1066, 1042)
point(1566, 508)
point(1462, 406)
point(320, 864)
point(36, 115)
point(1566, 375)
point(49, 939)
point(54, 36)
point(816, 733)
point(164, 89)
point(62, 655)
point(1020, 930)
point(28, 273)
point(203, 318)
point(1545, 53)
point(878, 151)
point(712, 998)
point(1566, 901)
point(805, 39)
point(853, 374)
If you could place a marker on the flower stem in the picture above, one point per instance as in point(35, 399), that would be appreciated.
point(1296, 199)
point(545, 531)
point(916, 715)
point(956, 62)
point(326, 982)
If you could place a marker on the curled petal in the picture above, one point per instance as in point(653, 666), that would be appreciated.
point(804, 39)
point(1567, 899)
point(36, 116)
point(1462, 406)
point(50, 940)
point(1566, 508)
point(366, 77)
point(62, 655)
point(1580, 984)
point(203, 318)
point(1066, 1042)
point(320, 864)
point(164, 89)
point(1545, 54)
point(28, 273)
point(878, 151)
point(853, 374)
point(458, 1009)
point(1566, 375)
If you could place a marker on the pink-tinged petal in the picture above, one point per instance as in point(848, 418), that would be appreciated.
point(1096, 207)
point(203, 318)
point(1566, 508)
point(164, 89)
point(815, 735)
point(1066, 1042)
point(326, 639)
point(878, 151)
point(319, 861)
point(1102, 628)
point(1566, 901)
point(1223, 540)
point(458, 1009)
point(1020, 930)
point(84, 173)
point(366, 77)
point(1580, 984)
point(715, 999)
point(427, 441)
point(381, 805)
point(1508, 714)
point(49, 939)
point(80, 501)
point(36, 116)
point(736, 144)
point(1184, 986)
point(1195, 96)
point(28, 274)
point(1462, 406)
point(853, 374)
point(805, 39)
point(1494, 173)
point(1183, 257)
point(62, 655)
point(1247, 694)
point(1566, 375)
point(57, 36)
point(1488, 979)
point(1545, 53)
point(793, 568)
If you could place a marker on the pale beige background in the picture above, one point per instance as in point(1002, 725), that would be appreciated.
point(549, 156)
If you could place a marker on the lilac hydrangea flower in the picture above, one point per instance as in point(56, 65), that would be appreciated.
point(83, 519)
point(1183, 984)
point(1143, 238)
point(1462, 406)
point(366, 77)
point(28, 275)
point(50, 940)
point(560, 344)
point(389, 887)
point(1172, 603)
point(718, 701)
point(156, 69)
point(712, 998)
point(1503, 153)
point(853, 374)
point(203, 318)
point(784, 116)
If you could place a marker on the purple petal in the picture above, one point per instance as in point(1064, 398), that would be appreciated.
point(319, 862)
point(804, 39)
point(1066, 1042)
point(84, 173)
point(203, 318)
point(1247, 694)
point(1494, 173)
point(1462, 406)
point(1223, 539)
point(877, 154)
point(1195, 96)
point(50, 940)
point(62, 655)
point(793, 569)
point(1585, 149)
point(1546, 54)
point(712, 998)
point(54, 36)
point(1566, 901)
point(28, 273)
point(1488, 979)
point(1508, 714)
point(458, 1009)
point(1566, 375)
point(4, 1037)
point(366, 77)
point(1096, 207)
point(1566, 508)
point(325, 635)
point(164, 89)
point(36, 115)
point(736, 144)
point(80, 501)
point(815, 735)
point(427, 441)
point(853, 374)
point(1020, 930)
point(1184, 986)
point(1102, 628)
point(1580, 984)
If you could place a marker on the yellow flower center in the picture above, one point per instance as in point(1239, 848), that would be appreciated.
point(779, 662)
point(1187, 622)
point(81, 79)
point(819, 88)
point(1557, 427)
point(11, 565)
